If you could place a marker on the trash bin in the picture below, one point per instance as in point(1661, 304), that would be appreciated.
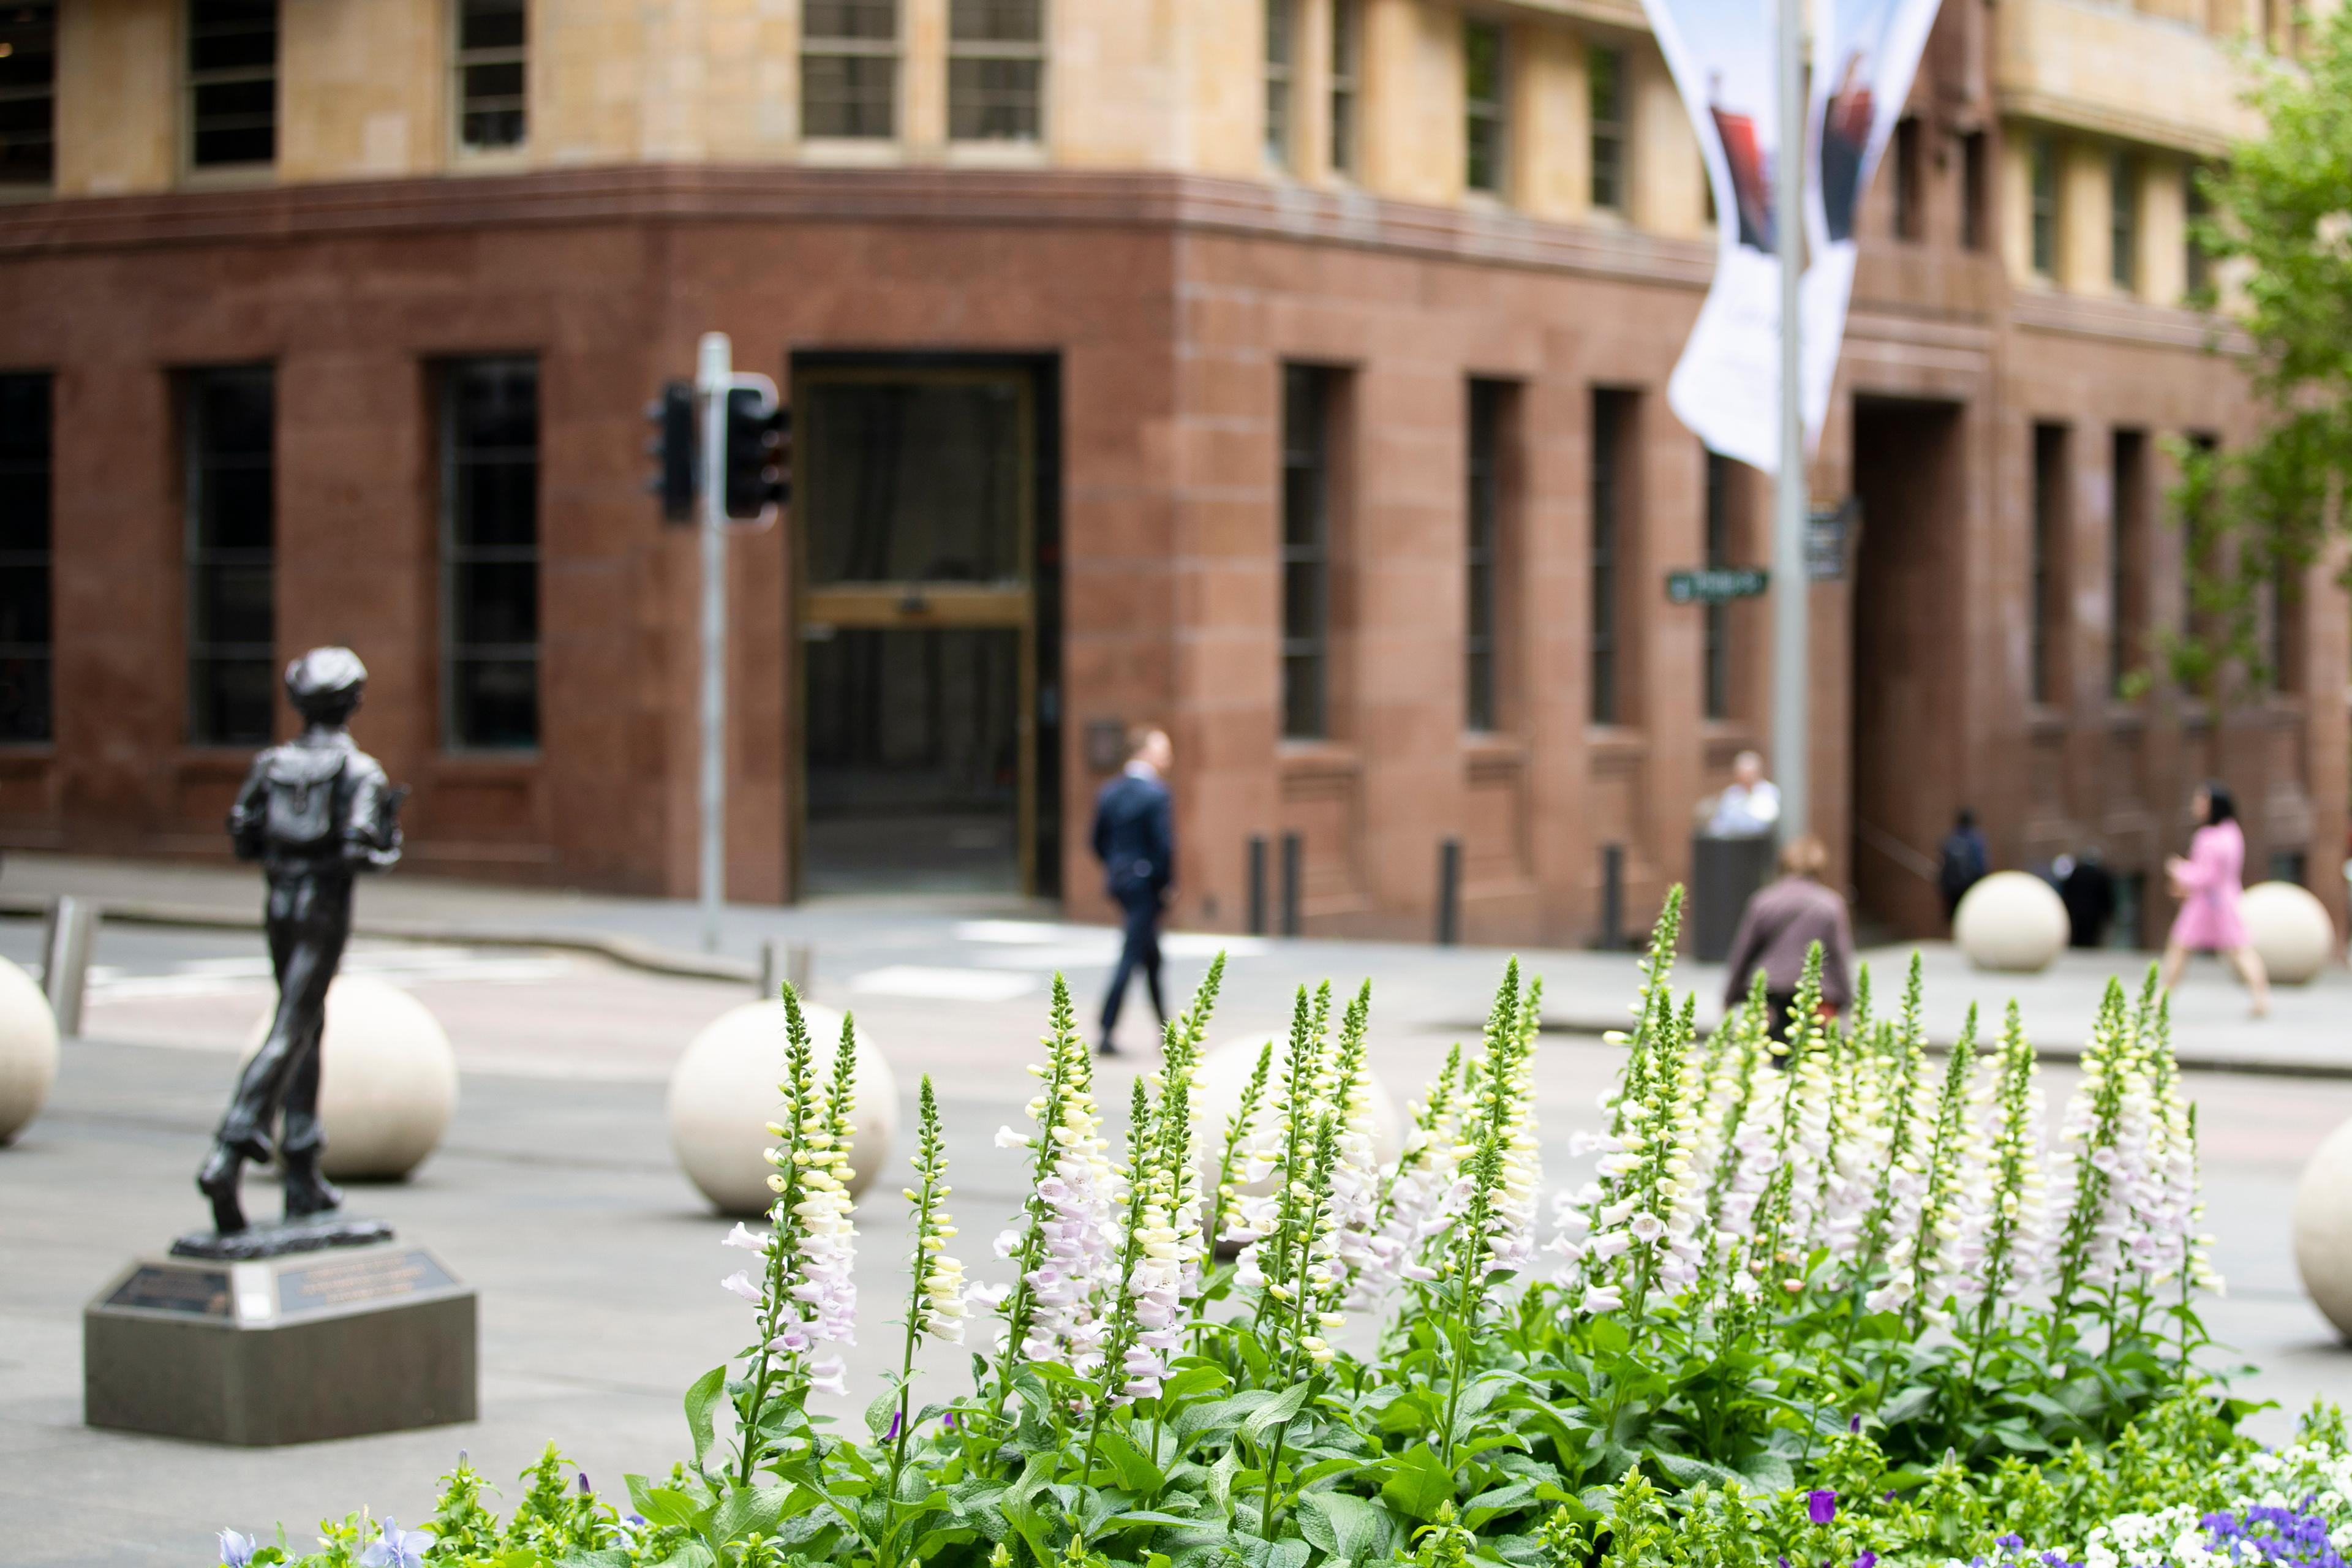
point(1724, 873)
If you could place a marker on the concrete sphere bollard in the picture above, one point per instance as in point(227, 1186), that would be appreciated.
point(387, 1079)
point(1225, 1072)
point(722, 1095)
point(2323, 1229)
point(28, 1049)
point(2011, 921)
point(2290, 930)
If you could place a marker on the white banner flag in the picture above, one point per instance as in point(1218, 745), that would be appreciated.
point(1727, 385)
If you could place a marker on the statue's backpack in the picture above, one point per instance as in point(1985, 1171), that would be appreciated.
point(300, 783)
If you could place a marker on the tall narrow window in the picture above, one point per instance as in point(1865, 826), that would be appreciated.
point(2282, 602)
point(1346, 81)
point(489, 554)
point(1305, 550)
point(492, 104)
point(2195, 271)
point(1483, 550)
point(232, 83)
point(2042, 159)
point(29, 93)
point(996, 70)
point(1909, 177)
point(1610, 425)
point(1605, 73)
point(849, 68)
point(2123, 222)
point(2046, 551)
point(1721, 495)
point(25, 625)
point(2128, 547)
point(230, 416)
point(1485, 67)
point(1974, 190)
point(1281, 57)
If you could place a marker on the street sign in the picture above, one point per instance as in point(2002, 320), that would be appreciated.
point(1828, 528)
point(1716, 584)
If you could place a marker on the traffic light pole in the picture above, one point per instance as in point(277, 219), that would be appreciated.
point(714, 377)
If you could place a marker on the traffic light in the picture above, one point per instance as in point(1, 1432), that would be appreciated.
point(672, 449)
point(759, 454)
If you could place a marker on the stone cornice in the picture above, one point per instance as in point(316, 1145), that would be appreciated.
point(697, 193)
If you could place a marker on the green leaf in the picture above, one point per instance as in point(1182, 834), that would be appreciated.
point(878, 1414)
point(1350, 1529)
point(1135, 1472)
point(1906, 1405)
point(1418, 1482)
point(699, 1399)
point(748, 1509)
point(1276, 1413)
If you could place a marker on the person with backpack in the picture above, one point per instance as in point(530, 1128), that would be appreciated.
point(1965, 862)
point(315, 811)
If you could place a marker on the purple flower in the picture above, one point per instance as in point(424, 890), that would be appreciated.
point(235, 1550)
point(2010, 1542)
point(1820, 1505)
point(892, 1434)
point(1867, 1559)
point(397, 1548)
point(948, 1421)
point(1854, 1425)
point(585, 1489)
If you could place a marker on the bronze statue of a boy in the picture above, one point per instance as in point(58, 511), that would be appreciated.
point(315, 811)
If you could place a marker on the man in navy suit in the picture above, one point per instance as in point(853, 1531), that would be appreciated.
point(1135, 838)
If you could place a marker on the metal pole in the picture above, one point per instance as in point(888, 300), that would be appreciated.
point(713, 374)
point(1791, 641)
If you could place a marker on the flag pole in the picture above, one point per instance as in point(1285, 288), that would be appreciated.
point(1791, 663)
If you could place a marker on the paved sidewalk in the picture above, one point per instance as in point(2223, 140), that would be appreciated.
point(997, 953)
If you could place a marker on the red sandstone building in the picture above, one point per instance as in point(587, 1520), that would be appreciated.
point(1288, 372)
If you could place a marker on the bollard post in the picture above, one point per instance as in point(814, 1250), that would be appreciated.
point(1294, 855)
point(781, 961)
point(1612, 896)
point(1257, 884)
point(1449, 891)
point(66, 936)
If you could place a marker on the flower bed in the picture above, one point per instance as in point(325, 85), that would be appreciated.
point(1831, 1303)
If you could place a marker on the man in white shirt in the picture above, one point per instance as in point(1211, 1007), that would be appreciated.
point(1750, 806)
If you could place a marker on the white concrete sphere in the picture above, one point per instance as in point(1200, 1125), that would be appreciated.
point(2323, 1229)
point(2290, 930)
point(723, 1094)
point(28, 1049)
point(1225, 1072)
point(2011, 921)
point(387, 1079)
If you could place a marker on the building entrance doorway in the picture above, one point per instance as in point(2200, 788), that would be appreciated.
point(918, 629)
point(1909, 612)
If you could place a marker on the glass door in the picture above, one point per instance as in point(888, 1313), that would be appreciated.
point(917, 631)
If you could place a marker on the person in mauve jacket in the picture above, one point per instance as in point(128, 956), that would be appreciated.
point(1135, 838)
point(1780, 923)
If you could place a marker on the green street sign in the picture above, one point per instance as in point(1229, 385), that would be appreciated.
point(1715, 584)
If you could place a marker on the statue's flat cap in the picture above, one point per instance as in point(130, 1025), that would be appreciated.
point(325, 672)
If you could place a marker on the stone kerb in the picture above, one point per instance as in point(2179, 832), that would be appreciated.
point(722, 1095)
point(28, 1049)
point(2011, 921)
point(387, 1079)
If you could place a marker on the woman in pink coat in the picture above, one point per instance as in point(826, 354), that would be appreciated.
point(2208, 884)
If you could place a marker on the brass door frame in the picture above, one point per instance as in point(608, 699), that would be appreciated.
point(922, 604)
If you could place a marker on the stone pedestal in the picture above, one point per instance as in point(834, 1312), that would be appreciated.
point(333, 1342)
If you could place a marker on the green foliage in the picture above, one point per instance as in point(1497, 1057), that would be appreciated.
point(2278, 221)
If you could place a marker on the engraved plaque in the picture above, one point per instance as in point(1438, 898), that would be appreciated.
point(350, 1281)
point(198, 1292)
